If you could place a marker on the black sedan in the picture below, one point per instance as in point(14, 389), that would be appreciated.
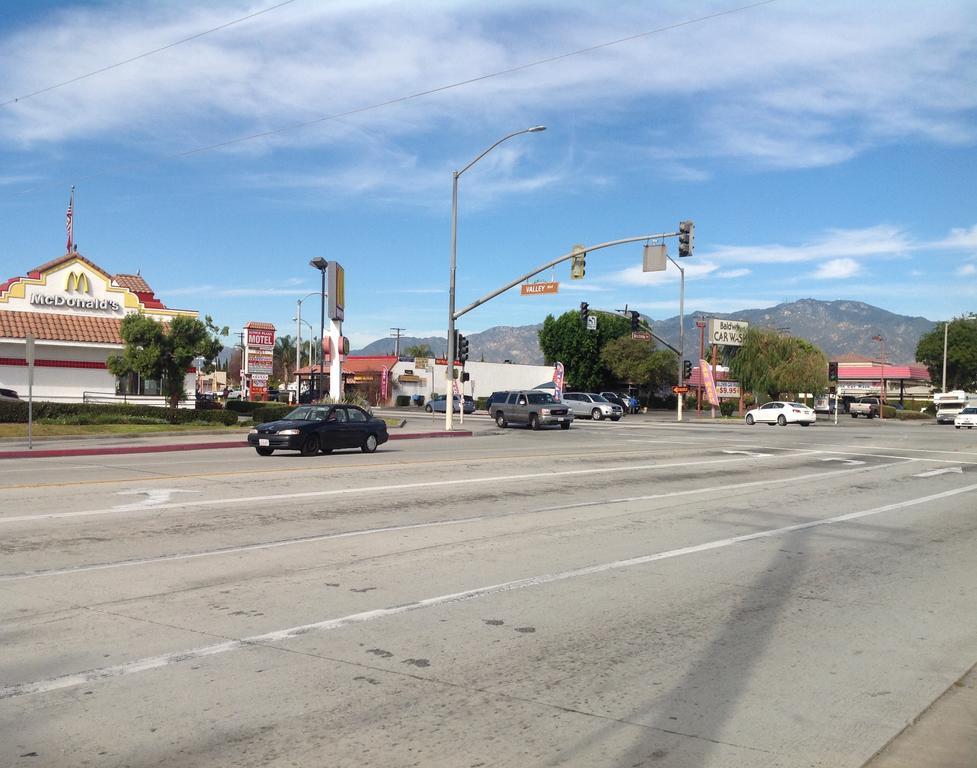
point(312, 429)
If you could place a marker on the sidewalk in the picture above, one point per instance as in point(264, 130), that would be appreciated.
point(156, 442)
point(944, 736)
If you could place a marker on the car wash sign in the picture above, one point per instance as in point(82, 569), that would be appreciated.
point(727, 333)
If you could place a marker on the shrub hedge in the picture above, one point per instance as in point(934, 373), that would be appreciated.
point(16, 413)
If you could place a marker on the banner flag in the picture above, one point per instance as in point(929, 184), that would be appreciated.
point(558, 381)
point(705, 371)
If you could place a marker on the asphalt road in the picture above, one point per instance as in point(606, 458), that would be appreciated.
point(631, 594)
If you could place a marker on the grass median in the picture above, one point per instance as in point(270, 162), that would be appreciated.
point(19, 431)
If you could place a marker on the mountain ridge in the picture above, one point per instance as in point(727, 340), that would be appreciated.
point(838, 327)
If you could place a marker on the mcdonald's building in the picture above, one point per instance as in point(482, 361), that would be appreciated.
point(73, 309)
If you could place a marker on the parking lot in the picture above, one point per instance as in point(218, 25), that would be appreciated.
point(631, 593)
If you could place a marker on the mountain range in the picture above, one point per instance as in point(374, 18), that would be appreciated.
point(837, 327)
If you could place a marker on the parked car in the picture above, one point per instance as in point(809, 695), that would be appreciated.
point(865, 406)
point(438, 403)
point(534, 408)
point(966, 418)
point(312, 429)
point(9, 395)
point(591, 405)
point(782, 413)
point(495, 397)
point(614, 397)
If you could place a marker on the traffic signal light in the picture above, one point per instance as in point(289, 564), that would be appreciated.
point(832, 371)
point(461, 349)
point(635, 320)
point(578, 264)
point(584, 312)
point(466, 376)
point(686, 370)
point(686, 237)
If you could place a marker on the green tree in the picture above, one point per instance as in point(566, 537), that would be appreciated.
point(155, 350)
point(773, 364)
point(283, 358)
point(961, 353)
point(419, 350)
point(565, 339)
point(640, 364)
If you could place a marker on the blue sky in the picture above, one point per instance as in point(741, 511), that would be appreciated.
point(824, 149)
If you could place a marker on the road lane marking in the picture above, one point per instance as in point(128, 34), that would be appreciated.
point(941, 471)
point(752, 453)
point(849, 462)
point(325, 537)
point(154, 497)
point(381, 488)
point(722, 488)
point(277, 636)
point(232, 550)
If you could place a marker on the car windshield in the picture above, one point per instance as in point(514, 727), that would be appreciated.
point(300, 414)
point(540, 398)
point(598, 398)
point(798, 405)
point(969, 410)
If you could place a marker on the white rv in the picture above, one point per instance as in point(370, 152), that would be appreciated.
point(949, 404)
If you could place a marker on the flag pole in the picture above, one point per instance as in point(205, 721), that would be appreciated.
point(69, 222)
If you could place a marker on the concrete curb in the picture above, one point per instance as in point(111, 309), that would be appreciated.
point(53, 453)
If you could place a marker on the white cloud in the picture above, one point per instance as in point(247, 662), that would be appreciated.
point(836, 269)
point(881, 240)
point(784, 85)
point(636, 276)
point(732, 274)
point(967, 269)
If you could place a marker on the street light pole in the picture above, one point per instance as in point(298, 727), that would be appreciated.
point(681, 329)
point(881, 339)
point(449, 369)
point(321, 264)
point(946, 326)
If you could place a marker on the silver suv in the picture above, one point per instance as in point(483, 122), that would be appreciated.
point(592, 405)
point(532, 407)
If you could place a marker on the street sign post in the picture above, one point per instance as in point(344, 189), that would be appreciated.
point(681, 390)
point(534, 289)
point(641, 335)
point(592, 322)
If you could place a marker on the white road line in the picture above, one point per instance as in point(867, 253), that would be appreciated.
point(382, 488)
point(280, 635)
point(325, 537)
point(723, 488)
point(230, 550)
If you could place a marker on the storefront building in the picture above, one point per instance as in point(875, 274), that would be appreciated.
point(73, 309)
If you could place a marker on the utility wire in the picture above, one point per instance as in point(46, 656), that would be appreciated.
point(419, 94)
point(17, 99)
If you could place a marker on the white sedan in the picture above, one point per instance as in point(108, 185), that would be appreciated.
point(782, 414)
point(966, 418)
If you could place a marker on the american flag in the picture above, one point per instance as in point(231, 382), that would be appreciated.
point(68, 219)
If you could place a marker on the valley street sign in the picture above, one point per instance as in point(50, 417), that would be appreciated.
point(641, 335)
point(532, 289)
point(727, 333)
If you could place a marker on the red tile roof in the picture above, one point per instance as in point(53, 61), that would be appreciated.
point(134, 283)
point(259, 326)
point(52, 327)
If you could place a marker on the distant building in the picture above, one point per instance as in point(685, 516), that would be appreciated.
point(73, 309)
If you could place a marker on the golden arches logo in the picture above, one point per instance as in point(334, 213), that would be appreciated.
point(78, 282)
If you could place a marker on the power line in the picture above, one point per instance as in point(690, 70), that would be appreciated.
point(17, 99)
point(416, 95)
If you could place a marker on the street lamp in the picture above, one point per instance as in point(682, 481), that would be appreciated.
point(298, 337)
point(450, 362)
point(321, 264)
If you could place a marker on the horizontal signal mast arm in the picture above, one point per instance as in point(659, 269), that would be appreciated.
point(547, 265)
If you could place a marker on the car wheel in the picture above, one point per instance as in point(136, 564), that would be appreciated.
point(370, 444)
point(750, 420)
point(805, 423)
point(615, 418)
point(854, 415)
point(596, 414)
point(500, 421)
point(534, 422)
point(325, 450)
point(782, 420)
point(310, 447)
point(954, 426)
point(565, 425)
point(429, 409)
point(269, 451)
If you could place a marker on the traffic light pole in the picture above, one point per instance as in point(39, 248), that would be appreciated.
point(550, 264)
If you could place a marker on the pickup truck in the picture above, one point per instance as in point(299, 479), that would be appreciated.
point(532, 407)
point(865, 406)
